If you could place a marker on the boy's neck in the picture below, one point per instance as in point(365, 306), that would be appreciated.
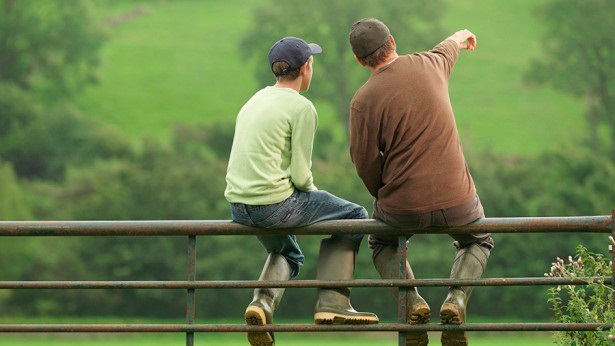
point(293, 84)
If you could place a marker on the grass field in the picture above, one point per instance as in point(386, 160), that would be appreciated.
point(179, 61)
point(233, 339)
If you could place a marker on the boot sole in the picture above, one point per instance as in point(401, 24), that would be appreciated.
point(450, 314)
point(255, 316)
point(333, 318)
point(421, 314)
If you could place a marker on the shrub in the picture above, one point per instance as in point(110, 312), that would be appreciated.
point(591, 303)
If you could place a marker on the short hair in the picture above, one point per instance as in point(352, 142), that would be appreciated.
point(379, 55)
point(279, 66)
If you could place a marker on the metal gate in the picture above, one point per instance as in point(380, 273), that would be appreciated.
point(194, 229)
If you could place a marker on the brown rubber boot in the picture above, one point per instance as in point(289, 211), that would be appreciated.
point(337, 261)
point(260, 311)
point(470, 263)
point(418, 312)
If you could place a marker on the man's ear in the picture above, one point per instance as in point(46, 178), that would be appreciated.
point(359, 60)
point(303, 68)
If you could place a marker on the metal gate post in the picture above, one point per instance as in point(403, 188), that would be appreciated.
point(403, 291)
point(612, 251)
point(191, 302)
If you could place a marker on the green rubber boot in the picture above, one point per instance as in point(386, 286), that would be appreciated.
point(260, 311)
point(417, 310)
point(470, 263)
point(337, 261)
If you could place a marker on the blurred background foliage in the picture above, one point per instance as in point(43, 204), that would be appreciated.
point(124, 110)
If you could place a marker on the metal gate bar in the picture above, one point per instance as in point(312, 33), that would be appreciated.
point(528, 281)
point(576, 224)
point(240, 328)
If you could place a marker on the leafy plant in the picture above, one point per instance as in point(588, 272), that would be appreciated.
point(591, 303)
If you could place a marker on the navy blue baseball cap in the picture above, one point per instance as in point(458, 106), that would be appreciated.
point(293, 51)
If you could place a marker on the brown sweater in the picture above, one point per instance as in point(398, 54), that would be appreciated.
point(403, 137)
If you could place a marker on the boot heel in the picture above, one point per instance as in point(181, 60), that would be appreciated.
point(419, 314)
point(452, 314)
point(255, 316)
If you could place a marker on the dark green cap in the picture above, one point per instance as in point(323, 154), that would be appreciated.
point(367, 35)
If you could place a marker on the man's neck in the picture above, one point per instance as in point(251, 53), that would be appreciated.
point(392, 57)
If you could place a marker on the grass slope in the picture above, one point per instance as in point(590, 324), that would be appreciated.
point(179, 61)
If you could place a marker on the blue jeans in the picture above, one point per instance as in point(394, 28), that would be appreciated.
point(298, 210)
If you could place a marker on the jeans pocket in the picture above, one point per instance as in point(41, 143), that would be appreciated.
point(288, 217)
point(288, 213)
point(265, 215)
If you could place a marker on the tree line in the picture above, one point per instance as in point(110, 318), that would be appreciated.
point(56, 163)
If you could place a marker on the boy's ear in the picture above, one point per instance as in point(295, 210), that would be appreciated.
point(303, 68)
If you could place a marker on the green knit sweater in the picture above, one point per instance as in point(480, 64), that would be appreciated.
point(272, 148)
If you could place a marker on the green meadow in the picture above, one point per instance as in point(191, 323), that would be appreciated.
point(179, 61)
